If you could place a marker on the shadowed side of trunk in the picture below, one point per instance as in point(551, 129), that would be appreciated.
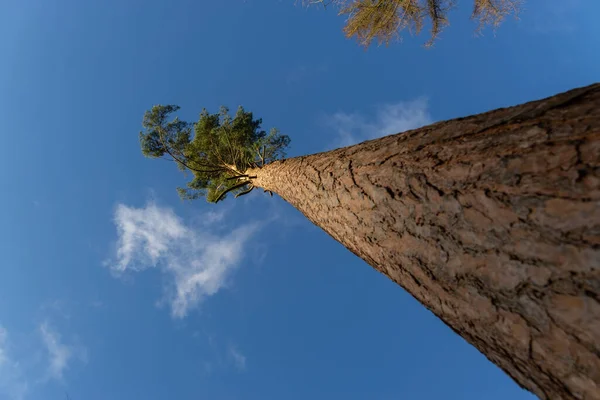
point(491, 221)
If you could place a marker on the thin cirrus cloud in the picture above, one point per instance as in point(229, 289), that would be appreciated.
point(12, 384)
point(239, 360)
point(198, 262)
point(15, 379)
point(352, 128)
point(3, 336)
point(60, 354)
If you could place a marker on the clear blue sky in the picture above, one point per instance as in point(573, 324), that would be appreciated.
point(247, 300)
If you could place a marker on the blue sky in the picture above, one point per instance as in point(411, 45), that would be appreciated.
point(112, 288)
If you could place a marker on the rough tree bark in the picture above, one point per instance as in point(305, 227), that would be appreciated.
point(491, 221)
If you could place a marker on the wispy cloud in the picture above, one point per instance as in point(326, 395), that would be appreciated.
point(59, 354)
point(352, 128)
point(213, 217)
point(3, 356)
point(198, 262)
point(17, 373)
point(12, 384)
point(239, 360)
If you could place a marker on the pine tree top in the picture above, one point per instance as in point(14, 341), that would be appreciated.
point(217, 149)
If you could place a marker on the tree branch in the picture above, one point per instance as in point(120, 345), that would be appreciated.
point(236, 177)
point(244, 192)
point(175, 158)
point(239, 185)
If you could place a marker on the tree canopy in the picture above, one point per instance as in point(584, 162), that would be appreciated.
point(382, 20)
point(217, 150)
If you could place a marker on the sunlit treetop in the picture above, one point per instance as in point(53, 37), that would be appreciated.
point(217, 150)
point(383, 20)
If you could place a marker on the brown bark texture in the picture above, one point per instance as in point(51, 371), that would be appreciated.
point(491, 221)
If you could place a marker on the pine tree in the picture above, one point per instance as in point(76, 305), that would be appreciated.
point(492, 222)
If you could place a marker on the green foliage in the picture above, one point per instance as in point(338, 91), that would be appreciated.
point(382, 20)
point(218, 153)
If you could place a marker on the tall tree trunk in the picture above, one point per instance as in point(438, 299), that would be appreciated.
point(491, 221)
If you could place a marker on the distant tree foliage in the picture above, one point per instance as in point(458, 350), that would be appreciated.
point(217, 149)
point(383, 20)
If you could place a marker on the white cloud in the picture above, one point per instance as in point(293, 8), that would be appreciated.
point(12, 384)
point(59, 354)
point(389, 119)
point(16, 373)
point(199, 262)
point(213, 217)
point(3, 356)
point(238, 358)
